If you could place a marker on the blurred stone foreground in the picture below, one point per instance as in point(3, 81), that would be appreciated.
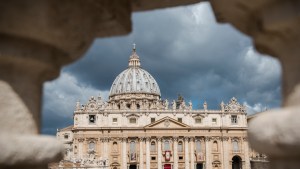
point(38, 37)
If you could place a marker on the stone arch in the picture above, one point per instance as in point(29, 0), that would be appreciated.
point(180, 146)
point(236, 162)
point(153, 146)
point(215, 146)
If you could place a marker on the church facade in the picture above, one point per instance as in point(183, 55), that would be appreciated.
point(136, 129)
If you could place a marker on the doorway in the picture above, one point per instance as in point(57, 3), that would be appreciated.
point(199, 166)
point(132, 166)
point(236, 162)
point(167, 166)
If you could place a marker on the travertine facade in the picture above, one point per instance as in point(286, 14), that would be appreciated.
point(135, 128)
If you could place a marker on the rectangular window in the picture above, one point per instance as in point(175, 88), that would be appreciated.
point(132, 120)
point(234, 119)
point(92, 119)
point(235, 145)
point(115, 120)
point(152, 120)
point(66, 136)
point(214, 120)
point(180, 120)
point(198, 120)
point(167, 145)
point(153, 158)
point(198, 146)
point(180, 147)
point(180, 157)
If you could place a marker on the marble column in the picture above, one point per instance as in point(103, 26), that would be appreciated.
point(175, 153)
point(124, 153)
point(141, 153)
point(186, 153)
point(159, 154)
point(148, 153)
point(192, 142)
point(225, 152)
point(207, 153)
point(246, 152)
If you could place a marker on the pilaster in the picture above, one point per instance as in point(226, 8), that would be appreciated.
point(208, 153)
point(124, 153)
point(141, 162)
point(175, 153)
point(225, 152)
point(159, 153)
point(192, 142)
point(186, 152)
point(147, 152)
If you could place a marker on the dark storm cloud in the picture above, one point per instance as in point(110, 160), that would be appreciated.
point(187, 52)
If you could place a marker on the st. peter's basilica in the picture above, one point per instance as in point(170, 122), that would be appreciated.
point(136, 129)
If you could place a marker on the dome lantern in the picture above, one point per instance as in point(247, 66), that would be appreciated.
point(134, 59)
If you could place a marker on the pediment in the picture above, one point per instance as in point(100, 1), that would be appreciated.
point(167, 123)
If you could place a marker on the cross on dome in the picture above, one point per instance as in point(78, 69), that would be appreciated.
point(134, 46)
point(134, 59)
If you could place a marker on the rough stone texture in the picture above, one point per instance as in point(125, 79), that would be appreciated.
point(142, 5)
point(37, 37)
point(260, 165)
point(274, 26)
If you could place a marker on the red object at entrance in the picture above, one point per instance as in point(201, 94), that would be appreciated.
point(167, 166)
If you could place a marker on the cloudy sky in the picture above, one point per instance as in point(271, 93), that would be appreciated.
point(187, 53)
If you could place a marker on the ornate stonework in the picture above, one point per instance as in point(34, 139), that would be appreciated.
point(135, 126)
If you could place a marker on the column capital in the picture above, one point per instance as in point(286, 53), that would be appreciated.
point(91, 139)
point(186, 139)
point(141, 139)
point(159, 138)
point(192, 138)
point(235, 138)
point(124, 139)
point(148, 139)
point(216, 138)
point(225, 138)
point(80, 139)
point(175, 138)
point(208, 138)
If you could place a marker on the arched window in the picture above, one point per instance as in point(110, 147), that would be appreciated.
point(138, 106)
point(215, 146)
point(91, 146)
point(167, 145)
point(235, 146)
point(180, 146)
point(115, 147)
point(198, 146)
point(153, 147)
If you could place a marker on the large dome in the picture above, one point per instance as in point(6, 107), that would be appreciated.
point(134, 80)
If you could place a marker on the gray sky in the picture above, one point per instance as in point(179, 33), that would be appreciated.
point(185, 50)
